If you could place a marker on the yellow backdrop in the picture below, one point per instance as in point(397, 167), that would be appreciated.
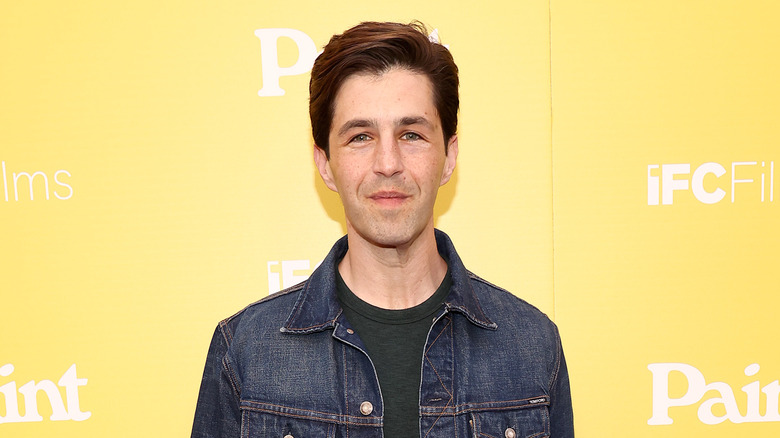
point(618, 169)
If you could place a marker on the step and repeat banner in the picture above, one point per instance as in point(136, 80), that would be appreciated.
point(666, 164)
point(617, 169)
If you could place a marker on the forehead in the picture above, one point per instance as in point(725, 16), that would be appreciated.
point(397, 92)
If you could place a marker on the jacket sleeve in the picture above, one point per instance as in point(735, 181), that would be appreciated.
point(561, 414)
point(217, 412)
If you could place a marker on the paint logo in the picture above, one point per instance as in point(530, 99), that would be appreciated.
point(719, 398)
point(272, 72)
point(60, 410)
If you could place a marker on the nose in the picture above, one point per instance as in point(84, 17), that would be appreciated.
point(387, 157)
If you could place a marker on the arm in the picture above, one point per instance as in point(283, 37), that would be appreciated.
point(217, 413)
point(561, 415)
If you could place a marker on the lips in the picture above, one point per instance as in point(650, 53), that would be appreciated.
point(388, 194)
point(388, 197)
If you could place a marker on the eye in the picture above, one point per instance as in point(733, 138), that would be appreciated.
point(360, 138)
point(411, 136)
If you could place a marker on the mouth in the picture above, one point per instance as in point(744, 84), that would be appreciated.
point(388, 198)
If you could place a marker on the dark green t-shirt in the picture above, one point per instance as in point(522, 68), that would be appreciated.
point(394, 341)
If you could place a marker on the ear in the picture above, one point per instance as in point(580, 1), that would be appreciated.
point(323, 166)
point(450, 159)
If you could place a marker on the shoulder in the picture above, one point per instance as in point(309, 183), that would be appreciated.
point(522, 333)
point(266, 314)
point(508, 310)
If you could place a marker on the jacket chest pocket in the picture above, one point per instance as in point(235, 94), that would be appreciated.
point(528, 422)
point(271, 425)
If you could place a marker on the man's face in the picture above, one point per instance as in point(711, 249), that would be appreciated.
point(387, 156)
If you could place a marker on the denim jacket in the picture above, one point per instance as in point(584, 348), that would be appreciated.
point(290, 366)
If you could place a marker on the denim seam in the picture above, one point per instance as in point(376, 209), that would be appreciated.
point(270, 297)
point(298, 304)
point(342, 419)
point(441, 414)
point(546, 431)
point(476, 277)
point(449, 321)
point(329, 323)
point(546, 414)
point(346, 385)
point(558, 353)
point(232, 378)
point(452, 368)
point(476, 429)
point(226, 333)
point(297, 310)
point(475, 407)
point(244, 433)
point(475, 425)
point(449, 391)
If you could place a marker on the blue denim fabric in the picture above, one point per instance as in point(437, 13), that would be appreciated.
point(289, 365)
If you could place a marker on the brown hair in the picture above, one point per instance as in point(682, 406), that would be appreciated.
point(375, 48)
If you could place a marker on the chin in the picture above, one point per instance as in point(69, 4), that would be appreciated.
point(390, 242)
point(391, 236)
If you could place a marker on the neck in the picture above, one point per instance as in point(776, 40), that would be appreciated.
point(393, 277)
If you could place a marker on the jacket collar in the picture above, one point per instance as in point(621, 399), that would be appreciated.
point(317, 307)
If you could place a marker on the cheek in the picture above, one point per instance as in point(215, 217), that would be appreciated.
point(433, 172)
point(347, 176)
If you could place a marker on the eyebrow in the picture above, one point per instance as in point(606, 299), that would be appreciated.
point(370, 123)
point(419, 120)
point(356, 123)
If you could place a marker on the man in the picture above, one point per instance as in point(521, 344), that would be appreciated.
point(391, 336)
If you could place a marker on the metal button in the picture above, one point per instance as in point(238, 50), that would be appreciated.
point(510, 433)
point(366, 408)
point(288, 436)
point(350, 331)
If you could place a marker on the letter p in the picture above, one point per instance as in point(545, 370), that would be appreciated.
point(272, 71)
point(661, 400)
